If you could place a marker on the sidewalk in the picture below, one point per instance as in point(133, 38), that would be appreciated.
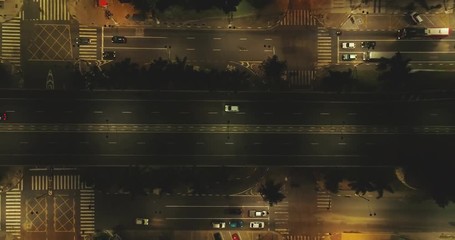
point(10, 9)
point(11, 177)
point(88, 13)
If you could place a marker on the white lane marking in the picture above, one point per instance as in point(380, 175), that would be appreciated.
point(243, 50)
point(229, 143)
point(324, 113)
point(10, 111)
point(190, 49)
point(214, 206)
point(112, 142)
point(268, 39)
point(341, 143)
point(151, 37)
point(126, 112)
point(140, 143)
point(97, 112)
point(199, 143)
point(243, 39)
point(23, 142)
point(216, 49)
point(314, 143)
point(212, 112)
point(216, 38)
point(190, 38)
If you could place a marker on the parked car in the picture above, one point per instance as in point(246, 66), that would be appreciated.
point(231, 108)
point(119, 39)
point(347, 45)
point(234, 211)
point(109, 55)
point(254, 213)
point(368, 44)
point(218, 224)
point(3, 117)
point(236, 223)
point(235, 236)
point(142, 221)
point(348, 57)
point(257, 225)
point(416, 17)
point(217, 236)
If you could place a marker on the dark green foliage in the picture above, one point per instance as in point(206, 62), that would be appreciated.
point(338, 81)
point(273, 72)
point(396, 72)
point(271, 192)
point(198, 5)
point(5, 76)
point(259, 4)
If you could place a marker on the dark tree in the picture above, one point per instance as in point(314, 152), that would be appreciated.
point(271, 192)
point(396, 72)
point(273, 72)
point(5, 76)
point(259, 4)
point(338, 81)
point(123, 73)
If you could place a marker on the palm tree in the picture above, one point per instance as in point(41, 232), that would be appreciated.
point(271, 192)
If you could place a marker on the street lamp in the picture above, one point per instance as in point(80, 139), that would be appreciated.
point(372, 213)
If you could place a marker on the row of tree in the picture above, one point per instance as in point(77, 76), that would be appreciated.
point(162, 74)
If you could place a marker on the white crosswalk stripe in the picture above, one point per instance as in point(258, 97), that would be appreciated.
point(339, 5)
point(11, 41)
point(300, 78)
point(303, 237)
point(323, 200)
point(53, 10)
point(324, 48)
point(13, 211)
point(89, 51)
point(281, 220)
point(87, 212)
point(298, 18)
point(60, 182)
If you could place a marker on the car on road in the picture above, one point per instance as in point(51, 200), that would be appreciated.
point(231, 108)
point(254, 213)
point(348, 57)
point(235, 223)
point(347, 45)
point(368, 44)
point(142, 221)
point(218, 224)
point(257, 225)
point(3, 117)
point(416, 17)
point(119, 39)
point(109, 55)
point(234, 211)
point(83, 41)
point(235, 236)
point(217, 236)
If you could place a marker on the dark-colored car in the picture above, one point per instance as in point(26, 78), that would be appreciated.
point(236, 223)
point(368, 44)
point(83, 41)
point(234, 211)
point(119, 39)
point(217, 236)
point(3, 117)
point(109, 55)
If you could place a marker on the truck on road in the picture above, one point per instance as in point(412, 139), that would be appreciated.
point(376, 56)
point(420, 32)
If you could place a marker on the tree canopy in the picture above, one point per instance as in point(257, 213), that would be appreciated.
point(273, 71)
point(271, 192)
point(395, 72)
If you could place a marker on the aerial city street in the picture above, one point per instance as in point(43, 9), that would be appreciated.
point(227, 119)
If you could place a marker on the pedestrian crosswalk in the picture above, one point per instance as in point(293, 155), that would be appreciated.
point(339, 5)
point(303, 237)
point(281, 220)
point(324, 47)
point(323, 200)
point(52, 10)
point(300, 78)
point(298, 18)
point(59, 182)
point(11, 41)
point(87, 212)
point(88, 51)
point(13, 211)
